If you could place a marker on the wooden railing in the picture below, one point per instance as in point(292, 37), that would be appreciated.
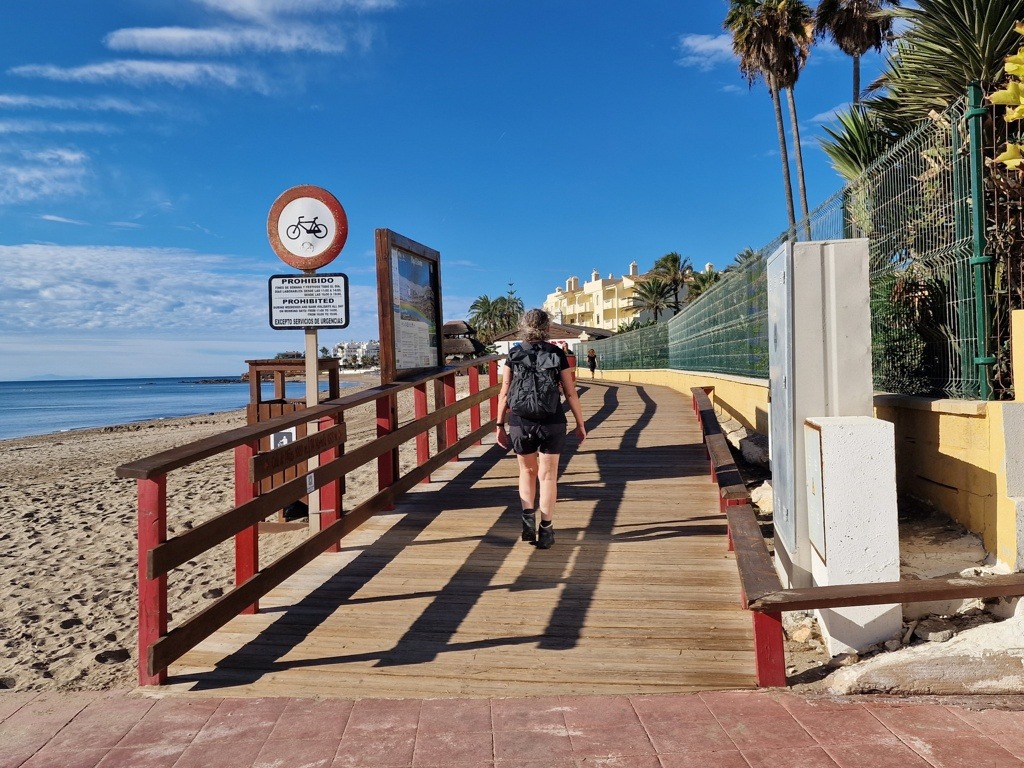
point(761, 589)
point(158, 555)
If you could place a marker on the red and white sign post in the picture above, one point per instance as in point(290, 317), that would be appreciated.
point(307, 228)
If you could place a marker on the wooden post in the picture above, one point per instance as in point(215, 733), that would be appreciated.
point(451, 425)
point(387, 465)
point(330, 494)
point(474, 412)
point(422, 439)
point(152, 518)
point(492, 379)
point(769, 650)
point(247, 553)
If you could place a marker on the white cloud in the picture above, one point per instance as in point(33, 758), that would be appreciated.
point(732, 89)
point(18, 101)
point(139, 73)
point(62, 220)
point(267, 9)
point(705, 51)
point(48, 126)
point(830, 115)
point(126, 225)
point(48, 174)
point(182, 41)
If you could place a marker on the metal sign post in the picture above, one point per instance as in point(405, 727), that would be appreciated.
point(307, 228)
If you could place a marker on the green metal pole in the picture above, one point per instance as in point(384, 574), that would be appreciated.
point(980, 261)
point(964, 380)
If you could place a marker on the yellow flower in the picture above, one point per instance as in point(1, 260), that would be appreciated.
point(1011, 95)
point(1019, 27)
point(1015, 63)
point(1012, 157)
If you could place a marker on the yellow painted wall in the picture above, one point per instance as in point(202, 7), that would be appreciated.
point(948, 452)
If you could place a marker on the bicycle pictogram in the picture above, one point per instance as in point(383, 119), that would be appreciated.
point(312, 227)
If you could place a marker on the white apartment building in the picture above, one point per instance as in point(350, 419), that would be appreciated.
point(357, 351)
point(599, 303)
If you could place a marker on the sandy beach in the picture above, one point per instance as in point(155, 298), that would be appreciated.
point(68, 607)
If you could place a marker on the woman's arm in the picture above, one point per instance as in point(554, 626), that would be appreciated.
point(501, 433)
point(569, 388)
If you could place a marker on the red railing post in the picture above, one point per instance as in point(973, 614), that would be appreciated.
point(769, 650)
point(247, 542)
point(422, 439)
point(152, 517)
point(492, 379)
point(451, 425)
point(474, 411)
point(387, 465)
point(330, 494)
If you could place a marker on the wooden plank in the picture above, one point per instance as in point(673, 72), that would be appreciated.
point(757, 571)
point(883, 593)
point(285, 457)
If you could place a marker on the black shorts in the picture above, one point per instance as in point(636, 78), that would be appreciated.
point(546, 438)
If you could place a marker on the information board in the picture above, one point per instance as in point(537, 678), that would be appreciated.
point(309, 301)
point(409, 281)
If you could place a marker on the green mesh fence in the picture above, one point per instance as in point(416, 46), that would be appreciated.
point(914, 207)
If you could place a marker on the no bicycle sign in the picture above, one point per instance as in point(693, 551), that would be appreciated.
point(307, 227)
point(308, 301)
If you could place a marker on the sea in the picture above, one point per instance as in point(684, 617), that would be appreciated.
point(29, 408)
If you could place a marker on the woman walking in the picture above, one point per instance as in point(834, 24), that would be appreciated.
point(537, 438)
point(592, 361)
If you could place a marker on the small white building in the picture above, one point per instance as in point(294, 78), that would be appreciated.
point(357, 352)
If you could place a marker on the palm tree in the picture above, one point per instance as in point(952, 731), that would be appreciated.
point(493, 317)
point(771, 39)
point(856, 26)
point(859, 139)
point(948, 44)
point(702, 281)
point(653, 293)
point(677, 270)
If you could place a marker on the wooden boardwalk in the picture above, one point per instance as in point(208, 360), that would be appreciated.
point(441, 599)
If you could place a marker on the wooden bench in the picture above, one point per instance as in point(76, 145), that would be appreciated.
point(762, 592)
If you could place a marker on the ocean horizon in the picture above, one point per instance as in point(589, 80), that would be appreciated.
point(50, 406)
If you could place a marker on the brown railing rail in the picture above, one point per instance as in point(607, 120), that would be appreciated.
point(158, 555)
point(762, 590)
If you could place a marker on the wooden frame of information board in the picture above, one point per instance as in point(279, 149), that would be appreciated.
point(409, 304)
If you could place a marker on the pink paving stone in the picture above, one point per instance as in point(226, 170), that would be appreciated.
point(684, 708)
point(704, 760)
point(102, 724)
point(549, 762)
point(142, 757)
point(309, 753)
point(681, 736)
point(974, 751)
point(443, 750)
point(455, 715)
point(742, 704)
point(242, 720)
point(85, 758)
point(845, 727)
point(375, 749)
point(171, 722)
point(767, 733)
point(596, 711)
point(228, 753)
point(800, 704)
point(1012, 740)
point(13, 759)
point(384, 715)
point(313, 719)
point(541, 713)
point(617, 761)
point(804, 757)
point(531, 745)
point(992, 721)
point(12, 701)
point(611, 740)
point(921, 721)
point(875, 756)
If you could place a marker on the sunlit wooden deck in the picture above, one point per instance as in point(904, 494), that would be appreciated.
point(441, 599)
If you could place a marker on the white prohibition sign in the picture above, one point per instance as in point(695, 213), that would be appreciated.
point(306, 227)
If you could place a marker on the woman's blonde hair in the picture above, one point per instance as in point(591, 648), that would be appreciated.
point(534, 325)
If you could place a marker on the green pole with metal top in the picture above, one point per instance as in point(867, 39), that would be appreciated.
point(980, 261)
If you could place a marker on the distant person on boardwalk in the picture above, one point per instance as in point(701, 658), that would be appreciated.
point(537, 426)
point(592, 361)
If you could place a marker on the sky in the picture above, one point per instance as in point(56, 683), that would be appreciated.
point(143, 142)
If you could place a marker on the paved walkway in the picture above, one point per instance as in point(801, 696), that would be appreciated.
point(720, 729)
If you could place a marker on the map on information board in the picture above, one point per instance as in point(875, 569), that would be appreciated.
point(414, 306)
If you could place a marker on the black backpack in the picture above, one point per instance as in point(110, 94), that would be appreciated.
point(534, 393)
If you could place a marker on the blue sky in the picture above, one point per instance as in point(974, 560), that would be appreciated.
point(142, 143)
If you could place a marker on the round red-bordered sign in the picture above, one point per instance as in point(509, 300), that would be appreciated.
point(307, 227)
